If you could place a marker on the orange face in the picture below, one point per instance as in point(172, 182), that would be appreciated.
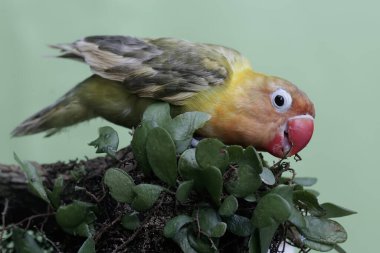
point(294, 112)
point(266, 112)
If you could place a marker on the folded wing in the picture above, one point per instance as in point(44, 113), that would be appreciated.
point(167, 69)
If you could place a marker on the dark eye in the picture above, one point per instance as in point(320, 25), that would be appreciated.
point(281, 100)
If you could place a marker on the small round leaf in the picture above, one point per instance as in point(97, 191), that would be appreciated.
point(72, 215)
point(305, 181)
point(271, 210)
point(183, 126)
point(252, 158)
point(229, 206)
point(323, 230)
point(175, 224)
point(245, 181)
point(309, 201)
point(235, 153)
point(107, 142)
point(138, 145)
point(317, 245)
point(267, 176)
point(219, 230)
point(184, 190)
point(88, 246)
point(189, 170)
point(130, 221)
point(207, 218)
point(212, 152)
point(146, 196)
point(239, 225)
point(161, 154)
point(120, 185)
point(213, 182)
point(201, 244)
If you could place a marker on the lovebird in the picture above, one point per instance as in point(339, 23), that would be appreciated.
point(129, 74)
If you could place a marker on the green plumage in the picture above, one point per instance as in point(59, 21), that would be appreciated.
point(168, 69)
point(131, 73)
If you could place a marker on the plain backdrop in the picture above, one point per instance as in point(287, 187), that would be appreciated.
point(330, 49)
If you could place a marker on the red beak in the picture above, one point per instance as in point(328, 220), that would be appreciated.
point(292, 137)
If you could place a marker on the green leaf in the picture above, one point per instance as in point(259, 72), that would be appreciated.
point(286, 192)
point(120, 185)
point(252, 158)
point(267, 176)
point(308, 201)
point(24, 242)
point(175, 224)
point(200, 244)
point(55, 195)
point(209, 178)
point(130, 221)
point(181, 238)
point(235, 153)
point(76, 218)
point(212, 152)
point(146, 196)
point(317, 245)
point(314, 192)
point(84, 230)
point(305, 181)
point(78, 172)
point(271, 210)
point(218, 230)
point(254, 242)
point(34, 180)
point(229, 206)
point(244, 181)
point(239, 225)
point(189, 170)
point(107, 142)
point(213, 182)
point(161, 153)
point(266, 236)
point(88, 246)
point(323, 231)
point(138, 145)
point(184, 190)
point(157, 115)
point(335, 211)
point(72, 215)
point(250, 198)
point(209, 221)
point(297, 218)
point(183, 127)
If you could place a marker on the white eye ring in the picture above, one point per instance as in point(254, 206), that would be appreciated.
point(281, 100)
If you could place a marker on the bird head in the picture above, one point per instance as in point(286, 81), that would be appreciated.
point(285, 115)
point(266, 112)
point(293, 118)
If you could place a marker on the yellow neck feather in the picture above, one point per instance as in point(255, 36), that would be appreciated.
point(225, 103)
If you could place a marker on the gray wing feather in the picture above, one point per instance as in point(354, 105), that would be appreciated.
point(167, 69)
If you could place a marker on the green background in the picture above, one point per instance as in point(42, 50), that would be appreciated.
point(330, 49)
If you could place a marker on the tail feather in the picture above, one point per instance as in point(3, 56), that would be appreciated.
point(65, 112)
point(68, 51)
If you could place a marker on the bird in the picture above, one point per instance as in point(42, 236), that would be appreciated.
point(129, 73)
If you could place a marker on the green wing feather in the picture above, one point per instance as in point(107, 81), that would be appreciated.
point(167, 69)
